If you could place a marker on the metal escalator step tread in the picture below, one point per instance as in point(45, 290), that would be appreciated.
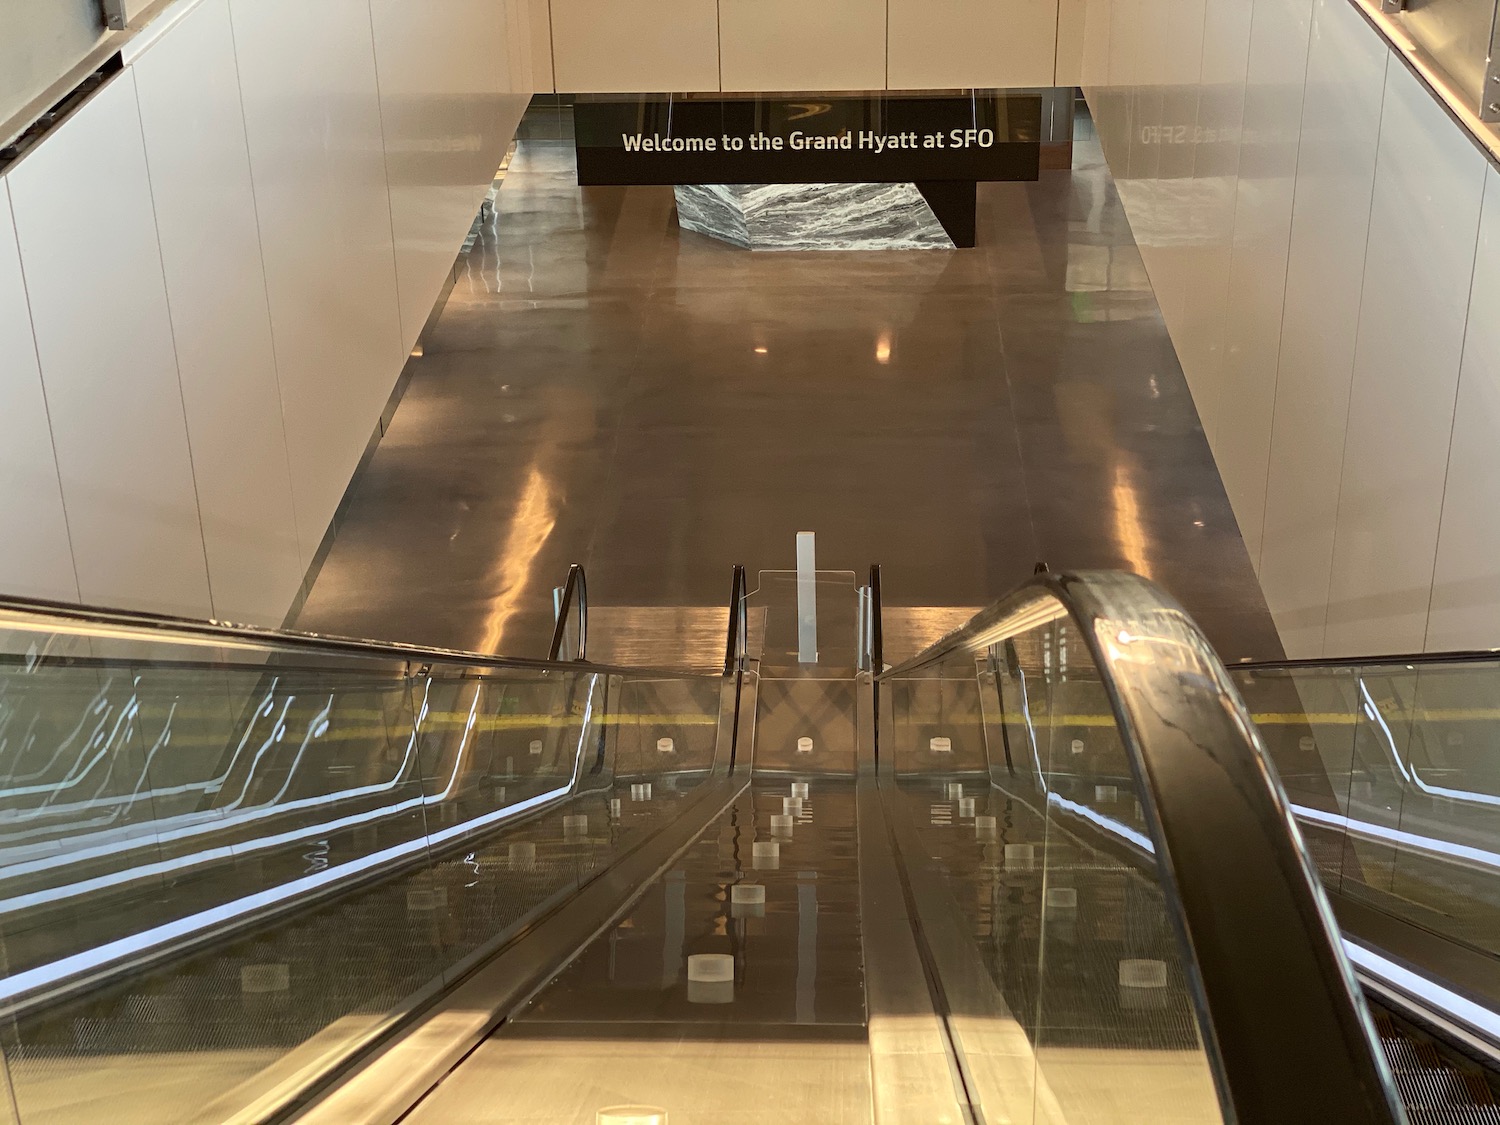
point(1453, 1115)
point(1400, 1053)
point(1437, 1089)
point(1479, 1091)
point(1433, 1089)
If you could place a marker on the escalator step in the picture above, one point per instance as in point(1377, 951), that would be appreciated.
point(1407, 1055)
point(1454, 1115)
point(1435, 1090)
point(1438, 1089)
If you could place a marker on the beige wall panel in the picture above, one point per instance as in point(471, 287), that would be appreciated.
point(936, 44)
point(516, 20)
point(1097, 17)
point(635, 46)
point(1072, 18)
point(788, 45)
point(541, 46)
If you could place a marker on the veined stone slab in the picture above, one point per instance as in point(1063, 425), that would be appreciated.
point(812, 216)
point(714, 210)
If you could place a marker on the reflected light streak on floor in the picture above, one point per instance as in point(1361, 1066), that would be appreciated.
point(536, 516)
point(1128, 530)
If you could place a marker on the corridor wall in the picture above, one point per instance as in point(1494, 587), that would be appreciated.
point(1325, 244)
point(683, 46)
point(211, 275)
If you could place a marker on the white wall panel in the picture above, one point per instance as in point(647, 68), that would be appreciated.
point(199, 295)
point(1133, 82)
point(312, 114)
point(1172, 94)
point(635, 46)
point(1262, 239)
point(210, 244)
point(1424, 219)
point(1200, 338)
point(93, 270)
point(1466, 583)
point(445, 98)
point(1107, 21)
point(1319, 320)
point(940, 44)
point(36, 560)
point(794, 45)
point(1346, 73)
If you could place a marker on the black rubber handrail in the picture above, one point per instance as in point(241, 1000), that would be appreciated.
point(736, 651)
point(877, 654)
point(1282, 1020)
point(1466, 656)
point(738, 640)
point(575, 593)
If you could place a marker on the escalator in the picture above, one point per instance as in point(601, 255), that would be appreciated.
point(1392, 769)
point(1042, 872)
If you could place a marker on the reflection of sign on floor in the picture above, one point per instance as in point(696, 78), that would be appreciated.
point(664, 140)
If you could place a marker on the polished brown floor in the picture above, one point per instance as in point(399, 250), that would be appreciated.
point(605, 388)
point(623, 1024)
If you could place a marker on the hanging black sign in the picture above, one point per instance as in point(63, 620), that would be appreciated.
point(807, 139)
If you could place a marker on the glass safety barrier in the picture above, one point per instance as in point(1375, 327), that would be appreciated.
point(227, 860)
point(1113, 899)
point(1393, 770)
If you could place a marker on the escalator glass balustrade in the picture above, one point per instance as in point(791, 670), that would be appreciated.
point(1051, 849)
point(1141, 936)
point(227, 861)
